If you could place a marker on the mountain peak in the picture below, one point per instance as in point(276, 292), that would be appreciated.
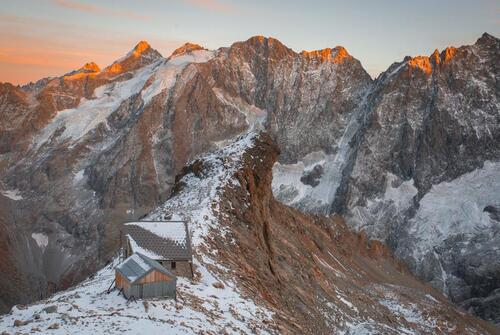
point(448, 54)
point(262, 40)
point(487, 39)
point(336, 55)
point(435, 57)
point(187, 48)
point(268, 47)
point(141, 55)
point(90, 67)
point(140, 48)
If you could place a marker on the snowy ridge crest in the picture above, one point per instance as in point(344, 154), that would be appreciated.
point(198, 201)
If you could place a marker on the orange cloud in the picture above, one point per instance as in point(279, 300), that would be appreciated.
point(33, 48)
point(213, 5)
point(99, 10)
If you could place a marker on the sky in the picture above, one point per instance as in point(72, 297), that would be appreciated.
point(40, 38)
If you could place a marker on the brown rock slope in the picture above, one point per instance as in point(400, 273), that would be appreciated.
point(315, 273)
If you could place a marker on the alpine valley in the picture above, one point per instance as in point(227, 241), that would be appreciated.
point(318, 199)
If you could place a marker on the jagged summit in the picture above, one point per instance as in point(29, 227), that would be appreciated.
point(485, 38)
point(90, 67)
point(141, 47)
point(336, 55)
point(261, 46)
point(187, 48)
point(269, 42)
point(142, 54)
point(426, 64)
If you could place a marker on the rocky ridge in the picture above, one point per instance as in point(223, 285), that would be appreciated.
point(260, 267)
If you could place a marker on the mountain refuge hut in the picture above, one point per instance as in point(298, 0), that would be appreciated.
point(166, 242)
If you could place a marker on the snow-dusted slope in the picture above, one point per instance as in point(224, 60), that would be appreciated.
point(315, 286)
point(148, 81)
point(210, 303)
point(89, 309)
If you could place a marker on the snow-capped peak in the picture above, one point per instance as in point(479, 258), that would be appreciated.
point(141, 55)
point(187, 48)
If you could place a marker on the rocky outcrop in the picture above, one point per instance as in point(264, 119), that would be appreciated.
point(305, 266)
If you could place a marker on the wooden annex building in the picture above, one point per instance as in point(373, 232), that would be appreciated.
point(141, 277)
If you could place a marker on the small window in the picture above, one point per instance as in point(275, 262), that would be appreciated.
point(173, 265)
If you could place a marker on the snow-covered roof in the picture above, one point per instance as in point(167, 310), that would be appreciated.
point(160, 240)
point(137, 266)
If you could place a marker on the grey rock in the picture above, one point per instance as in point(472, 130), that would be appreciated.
point(50, 309)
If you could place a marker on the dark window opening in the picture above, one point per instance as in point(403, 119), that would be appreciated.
point(173, 265)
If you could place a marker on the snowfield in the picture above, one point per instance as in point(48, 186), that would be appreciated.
point(74, 123)
point(12, 194)
point(456, 208)
point(89, 309)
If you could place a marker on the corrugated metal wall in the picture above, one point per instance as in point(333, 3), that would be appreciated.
point(158, 289)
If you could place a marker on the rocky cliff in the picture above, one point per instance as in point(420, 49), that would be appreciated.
point(260, 267)
point(418, 170)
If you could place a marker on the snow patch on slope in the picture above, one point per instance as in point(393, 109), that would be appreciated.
point(166, 75)
point(12, 194)
point(254, 116)
point(74, 123)
point(319, 198)
point(199, 198)
point(287, 186)
point(380, 215)
point(41, 239)
point(89, 309)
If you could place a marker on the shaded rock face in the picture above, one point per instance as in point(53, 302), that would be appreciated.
point(303, 94)
point(425, 169)
point(416, 166)
point(316, 274)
